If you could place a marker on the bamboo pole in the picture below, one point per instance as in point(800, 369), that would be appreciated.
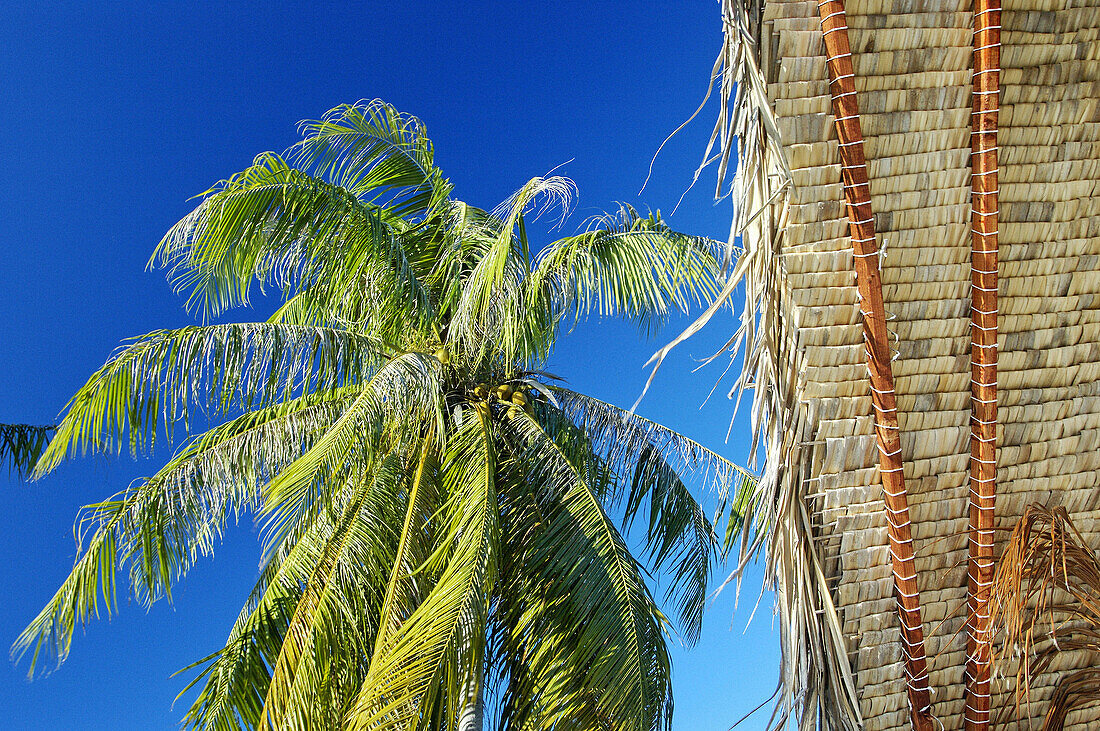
point(983, 355)
point(861, 225)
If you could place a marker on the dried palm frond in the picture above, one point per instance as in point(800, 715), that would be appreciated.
point(815, 677)
point(1079, 688)
point(1046, 602)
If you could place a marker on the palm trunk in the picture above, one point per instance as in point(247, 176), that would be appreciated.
point(472, 716)
point(983, 355)
point(857, 191)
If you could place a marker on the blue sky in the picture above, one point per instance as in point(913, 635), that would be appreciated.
point(114, 114)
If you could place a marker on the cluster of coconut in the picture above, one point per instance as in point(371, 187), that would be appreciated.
point(516, 399)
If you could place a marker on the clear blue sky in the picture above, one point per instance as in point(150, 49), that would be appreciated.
point(112, 117)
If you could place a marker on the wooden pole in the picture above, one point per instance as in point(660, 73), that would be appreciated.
point(983, 355)
point(861, 225)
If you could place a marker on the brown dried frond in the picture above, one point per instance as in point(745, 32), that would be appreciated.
point(1046, 601)
point(1079, 688)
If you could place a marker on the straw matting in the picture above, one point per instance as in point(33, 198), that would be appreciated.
point(913, 76)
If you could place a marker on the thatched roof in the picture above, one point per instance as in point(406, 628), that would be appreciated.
point(829, 552)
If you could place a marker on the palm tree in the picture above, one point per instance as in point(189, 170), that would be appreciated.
point(437, 509)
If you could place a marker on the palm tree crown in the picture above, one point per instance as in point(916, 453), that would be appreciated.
point(436, 507)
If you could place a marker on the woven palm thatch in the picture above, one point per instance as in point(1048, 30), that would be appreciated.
point(981, 357)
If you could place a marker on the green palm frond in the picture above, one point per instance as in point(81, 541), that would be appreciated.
point(406, 389)
point(235, 680)
point(620, 435)
point(429, 654)
point(218, 475)
point(490, 316)
point(621, 633)
point(377, 153)
point(542, 623)
point(274, 224)
point(151, 384)
point(21, 445)
point(412, 552)
point(626, 265)
point(679, 535)
point(322, 633)
point(160, 526)
point(90, 585)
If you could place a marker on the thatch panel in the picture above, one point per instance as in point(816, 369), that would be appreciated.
point(1049, 353)
point(912, 74)
point(806, 301)
point(810, 68)
point(782, 9)
point(796, 107)
point(885, 38)
point(1045, 54)
point(891, 123)
point(1050, 136)
point(828, 212)
point(1025, 16)
point(832, 335)
point(950, 21)
point(896, 8)
point(911, 61)
point(816, 236)
point(823, 280)
point(953, 176)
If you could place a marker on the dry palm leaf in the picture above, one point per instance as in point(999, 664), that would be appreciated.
point(1046, 602)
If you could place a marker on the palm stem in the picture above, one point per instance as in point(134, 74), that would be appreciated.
point(472, 715)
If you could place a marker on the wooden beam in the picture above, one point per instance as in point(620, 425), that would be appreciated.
point(983, 355)
point(861, 226)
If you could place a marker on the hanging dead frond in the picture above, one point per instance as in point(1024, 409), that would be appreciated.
point(815, 676)
point(1045, 603)
point(1076, 689)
